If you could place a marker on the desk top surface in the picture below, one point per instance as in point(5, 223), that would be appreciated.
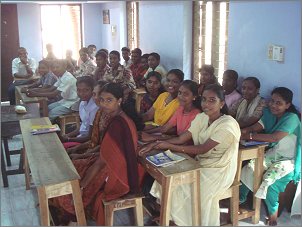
point(187, 165)
point(27, 99)
point(8, 113)
point(48, 160)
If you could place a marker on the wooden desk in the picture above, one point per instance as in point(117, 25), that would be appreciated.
point(184, 172)
point(52, 170)
point(9, 127)
point(257, 153)
point(25, 99)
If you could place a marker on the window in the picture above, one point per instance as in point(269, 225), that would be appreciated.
point(132, 25)
point(61, 26)
point(210, 36)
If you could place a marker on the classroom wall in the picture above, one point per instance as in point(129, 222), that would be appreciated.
point(262, 23)
point(117, 12)
point(29, 21)
point(161, 30)
point(92, 20)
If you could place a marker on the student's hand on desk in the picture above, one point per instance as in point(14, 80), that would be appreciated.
point(245, 136)
point(145, 137)
point(71, 150)
point(75, 156)
point(146, 149)
point(162, 145)
point(24, 89)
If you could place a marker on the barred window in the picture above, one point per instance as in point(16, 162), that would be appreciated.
point(61, 26)
point(210, 31)
point(132, 25)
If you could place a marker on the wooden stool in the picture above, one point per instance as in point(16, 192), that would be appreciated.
point(73, 118)
point(138, 96)
point(233, 193)
point(122, 203)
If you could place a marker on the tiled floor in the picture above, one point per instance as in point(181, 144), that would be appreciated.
point(19, 207)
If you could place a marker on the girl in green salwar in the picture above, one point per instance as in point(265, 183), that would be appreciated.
point(280, 125)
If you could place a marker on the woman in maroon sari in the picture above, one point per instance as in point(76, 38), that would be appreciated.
point(115, 171)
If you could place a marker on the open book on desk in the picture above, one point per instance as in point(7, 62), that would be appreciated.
point(164, 158)
point(42, 129)
point(248, 143)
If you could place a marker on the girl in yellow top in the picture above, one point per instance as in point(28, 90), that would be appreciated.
point(167, 103)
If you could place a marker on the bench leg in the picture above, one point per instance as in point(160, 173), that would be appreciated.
point(138, 211)
point(234, 206)
point(165, 205)
point(43, 204)
point(78, 203)
point(108, 215)
point(7, 154)
point(257, 181)
point(3, 170)
point(26, 169)
point(196, 200)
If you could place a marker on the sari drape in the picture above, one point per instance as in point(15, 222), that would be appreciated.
point(120, 174)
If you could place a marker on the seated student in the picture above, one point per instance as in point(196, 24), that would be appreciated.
point(144, 62)
point(229, 84)
point(153, 88)
point(114, 171)
point(280, 125)
point(126, 56)
point(102, 66)
point(248, 109)
point(87, 111)
point(154, 65)
point(47, 78)
point(92, 51)
point(64, 87)
point(206, 77)
point(118, 73)
point(166, 103)
point(184, 115)
point(136, 67)
point(216, 139)
point(87, 66)
point(50, 55)
point(128, 106)
point(23, 69)
point(71, 63)
point(101, 120)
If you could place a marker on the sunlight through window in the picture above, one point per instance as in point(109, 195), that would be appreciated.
point(61, 28)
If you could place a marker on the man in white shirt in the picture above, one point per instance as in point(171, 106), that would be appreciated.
point(65, 87)
point(23, 68)
point(126, 56)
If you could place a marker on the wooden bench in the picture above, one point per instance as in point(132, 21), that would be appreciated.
point(257, 153)
point(25, 99)
point(73, 118)
point(52, 171)
point(125, 202)
point(184, 172)
point(9, 127)
point(138, 96)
